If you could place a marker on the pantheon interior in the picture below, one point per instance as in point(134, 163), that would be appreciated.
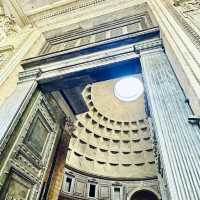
point(99, 100)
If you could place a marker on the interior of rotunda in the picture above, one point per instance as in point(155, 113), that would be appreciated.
point(99, 99)
point(112, 140)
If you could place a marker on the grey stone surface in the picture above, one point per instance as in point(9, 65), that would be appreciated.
point(178, 140)
point(12, 109)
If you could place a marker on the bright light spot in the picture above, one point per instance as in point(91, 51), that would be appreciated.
point(128, 89)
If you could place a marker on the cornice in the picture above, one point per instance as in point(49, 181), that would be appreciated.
point(149, 45)
point(78, 33)
point(93, 175)
point(68, 8)
point(51, 71)
point(69, 17)
point(132, 38)
point(193, 35)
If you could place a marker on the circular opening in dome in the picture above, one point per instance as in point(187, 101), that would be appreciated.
point(128, 89)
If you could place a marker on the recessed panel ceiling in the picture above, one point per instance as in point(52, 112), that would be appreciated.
point(112, 138)
point(108, 104)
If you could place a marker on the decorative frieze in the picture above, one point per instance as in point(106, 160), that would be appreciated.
point(74, 6)
point(7, 24)
point(189, 30)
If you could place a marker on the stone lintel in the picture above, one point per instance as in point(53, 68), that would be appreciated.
point(148, 46)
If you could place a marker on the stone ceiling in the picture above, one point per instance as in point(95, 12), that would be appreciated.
point(113, 138)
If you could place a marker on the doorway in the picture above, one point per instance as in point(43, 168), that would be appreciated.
point(144, 195)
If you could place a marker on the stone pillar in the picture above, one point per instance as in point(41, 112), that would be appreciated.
point(182, 45)
point(178, 140)
point(61, 154)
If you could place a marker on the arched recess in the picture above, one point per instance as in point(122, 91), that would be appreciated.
point(143, 194)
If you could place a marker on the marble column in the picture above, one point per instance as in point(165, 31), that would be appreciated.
point(178, 140)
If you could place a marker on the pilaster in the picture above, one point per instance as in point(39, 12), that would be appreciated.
point(178, 140)
point(181, 47)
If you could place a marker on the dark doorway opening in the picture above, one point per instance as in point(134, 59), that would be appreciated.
point(144, 195)
point(92, 190)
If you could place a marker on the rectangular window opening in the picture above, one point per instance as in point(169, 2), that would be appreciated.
point(68, 184)
point(92, 190)
point(116, 193)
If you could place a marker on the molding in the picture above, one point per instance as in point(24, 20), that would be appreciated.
point(147, 46)
point(66, 21)
point(23, 171)
point(194, 36)
point(128, 39)
point(19, 54)
point(15, 9)
point(78, 33)
point(53, 12)
point(99, 58)
point(29, 75)
point(92, 175)
point(56, 74)
point(59, 43)
point(25, 152)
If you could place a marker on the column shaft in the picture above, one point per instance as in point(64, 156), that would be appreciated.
point(178, 140)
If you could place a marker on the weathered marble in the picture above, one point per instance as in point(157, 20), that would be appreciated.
point(178, 140)
point(83, 36)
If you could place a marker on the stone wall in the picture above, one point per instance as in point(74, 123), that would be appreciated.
point(104, 187)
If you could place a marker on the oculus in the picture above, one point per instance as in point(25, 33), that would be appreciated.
point(128, 89)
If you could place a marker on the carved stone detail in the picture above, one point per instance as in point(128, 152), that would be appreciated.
point(75, 6)
point(29, 75)
point(194, 36)
point(24, 151)
point(69, 125)
point(148, 45)
point(7, 25)
point(5, 52)
point(188, 4)
point(24, 161)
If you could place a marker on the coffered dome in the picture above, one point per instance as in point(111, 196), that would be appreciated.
point(113, 138)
